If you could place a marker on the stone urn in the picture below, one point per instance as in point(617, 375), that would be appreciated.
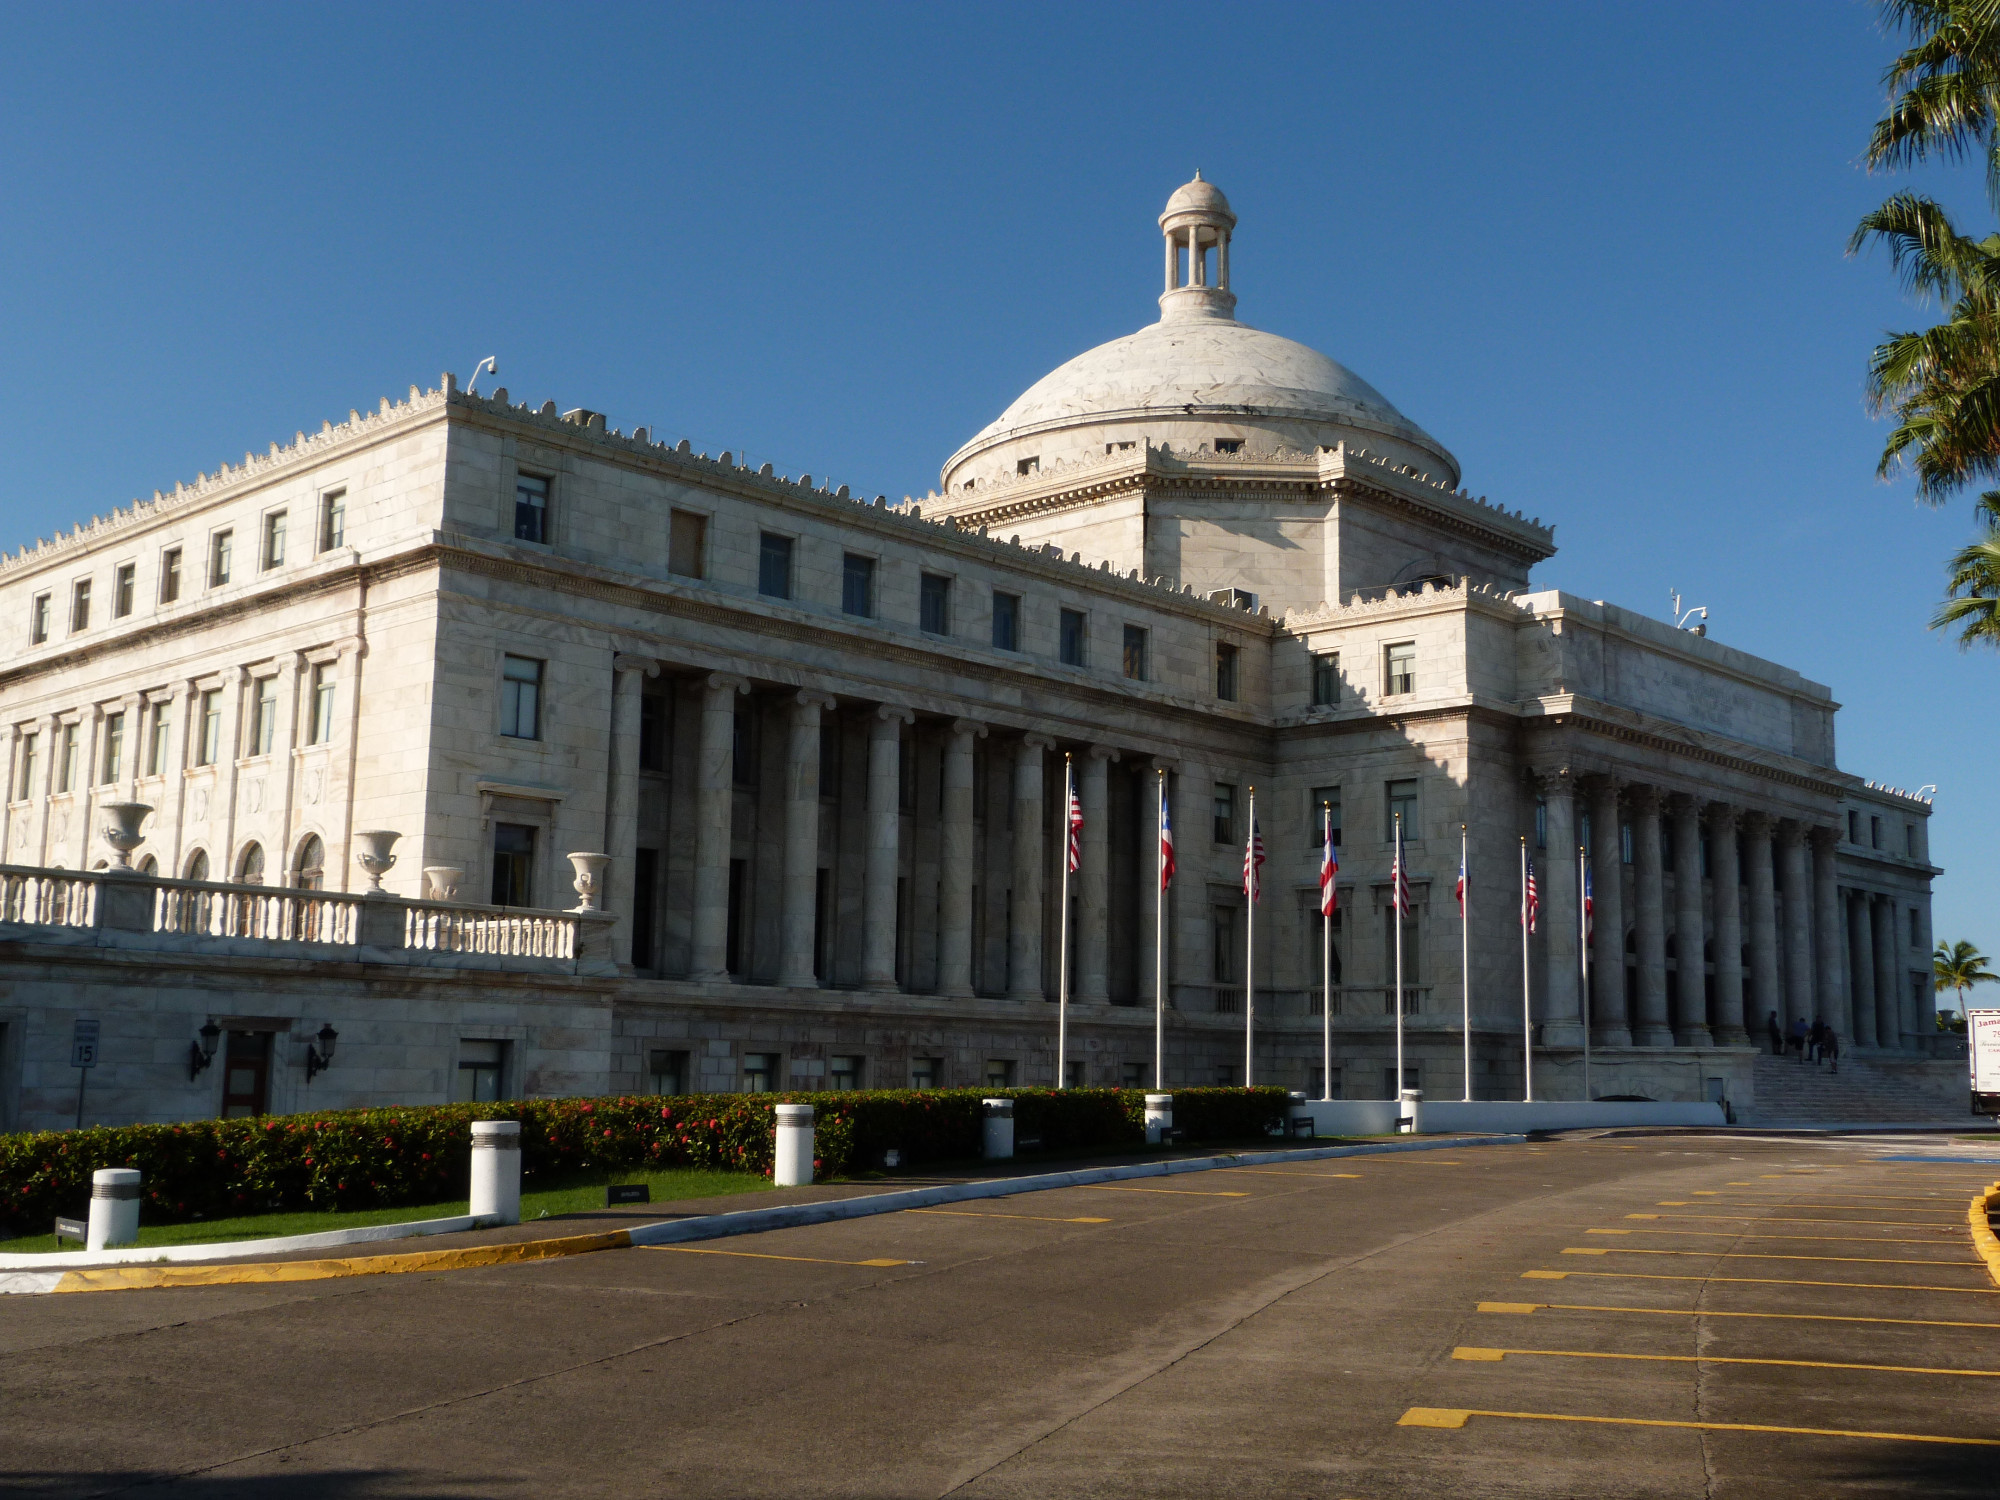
point(373, 854)
point(442, 881)
point(121, 830)
point(589, 878)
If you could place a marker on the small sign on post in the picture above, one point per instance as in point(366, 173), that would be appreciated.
point(82, 1057)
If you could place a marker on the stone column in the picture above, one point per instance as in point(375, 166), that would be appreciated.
point(1024, 948)
point(1757, 829)
point(1093, 894)
point(621, 799)
point(1888, 1013)
point(955, 856)
point(1861, 968)
point(1649, 1025)
point(1562, 914)
point(715, 790)
point(1793, 858)
point(885, 834)
point(797, 927)
point(1690, 929)
point(1612, 1027)
point(1725, 881)
point(1829, 947)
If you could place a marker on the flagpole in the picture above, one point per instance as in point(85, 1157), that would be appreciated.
point(1326, 962)
point(1250, 946)
point(1062, 978)
point(1465, 956)
point(1396, 900)
point(1527, 1013)
point(1160, 942)
point(1583, 958)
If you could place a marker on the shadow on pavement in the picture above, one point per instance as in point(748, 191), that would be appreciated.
point(295, 1482)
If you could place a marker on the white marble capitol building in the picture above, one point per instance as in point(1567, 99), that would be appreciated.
point(813, 745)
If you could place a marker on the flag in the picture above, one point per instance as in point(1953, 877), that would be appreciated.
point(1399, 877)
point(1253, 864)
point(1531, 901)
point(1461, 882)
point(1329, 866)
point(1166, 841)
point(1589, 907)
point(1075, 829)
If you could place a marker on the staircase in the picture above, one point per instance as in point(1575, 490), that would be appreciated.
point(1861, 1093)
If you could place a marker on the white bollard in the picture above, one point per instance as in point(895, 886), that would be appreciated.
point(1410, 1112)
point(496, 1170)
point(114, 1208)
point(999, 1139)
point(1159, 1117)
point(794, 1166)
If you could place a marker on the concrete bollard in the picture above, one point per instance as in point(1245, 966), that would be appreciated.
point(999, 1140)
point(496, 1170)
point(114, 1208)
point(1159, 1117)
point(794, 1165)
point(1410, 1112)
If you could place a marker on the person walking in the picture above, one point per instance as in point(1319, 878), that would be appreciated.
point(1815, 1039)
point(1777, 1036)
point(1798, 1038)
point(1829, 1046)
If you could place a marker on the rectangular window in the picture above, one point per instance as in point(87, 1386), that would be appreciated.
point(38, 620)
point(774, 565)
point(274, 539)
point(999, 1072)
point(1411, 949)
point(1542, 830)
point(1625, 843)
point(1402, 801)
point(760, 1072)
point(645, 905)
point(1324, 798)
point(333, 521)
point(319, 725)
point(114, 749)
point(211, 728)
point(653, 712)
point(1411, 1073)
point(513, 864)
point(1400, 675)
point(1075, 637)
point(26, 786)
point(857, 585)
point(743, 748)
point(520, 698)
point(1135, 652)
point(156, 742)
point(1916, 928)
point(531, 508)
point(1225, 813)
point(925, 1072)
point(1875, 833)
point(263, 716)
point(1326, 679)
point(1131, 1075)
point(79, 606)
point(1910, 840)
point(482, 1072)
point(1222, 944)
point(66, 761)
point(170, 575)
point(1225, 672)
point(687, 544)
point(221, 549)
point(669, 1071)
point(1853, 826)
point(1006, 621)
point(843, 1073)
point(934, 604)
point(121, 590)
point(1312, 927)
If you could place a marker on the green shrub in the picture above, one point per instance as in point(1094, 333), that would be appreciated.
point(386, 1158)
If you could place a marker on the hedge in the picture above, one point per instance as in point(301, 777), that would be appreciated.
point(389, 1158)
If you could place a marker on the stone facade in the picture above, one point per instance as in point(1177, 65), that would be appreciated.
point(823, 741)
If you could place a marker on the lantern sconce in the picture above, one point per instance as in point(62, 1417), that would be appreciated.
point(201, 1053)
point(320, 1058)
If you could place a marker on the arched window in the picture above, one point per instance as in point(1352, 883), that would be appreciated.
point(309, 870)
point(197, 866)
point(191, 909)
point(250, 866)
point(149, 866)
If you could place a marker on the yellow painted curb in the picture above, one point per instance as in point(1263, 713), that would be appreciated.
point(135, 1278)
point(1983, 1239)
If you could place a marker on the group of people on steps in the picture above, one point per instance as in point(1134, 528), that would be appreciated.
point(1817, 1043)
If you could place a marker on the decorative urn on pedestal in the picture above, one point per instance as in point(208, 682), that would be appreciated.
point(373, 854)
point(589, 878)
point(121, 832)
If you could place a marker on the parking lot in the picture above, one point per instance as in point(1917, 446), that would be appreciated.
point(1656, 1316)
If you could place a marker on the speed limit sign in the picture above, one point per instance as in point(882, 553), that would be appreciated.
point(83, 1045)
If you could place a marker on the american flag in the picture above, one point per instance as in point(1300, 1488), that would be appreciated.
point(1253, 864)
point(1589, 907)
point(1329, 865)
point(1075, 829)
point(1399, 876)
point(1166, 841)
point(1531, 901)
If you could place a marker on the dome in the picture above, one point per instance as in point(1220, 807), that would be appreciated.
point(1198, 197)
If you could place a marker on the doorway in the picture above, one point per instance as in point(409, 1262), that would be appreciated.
point(246, 1075)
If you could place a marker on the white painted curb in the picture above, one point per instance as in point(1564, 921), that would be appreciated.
point(56, 1262)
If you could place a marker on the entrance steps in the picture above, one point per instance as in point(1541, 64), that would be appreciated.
point(1863, 1092)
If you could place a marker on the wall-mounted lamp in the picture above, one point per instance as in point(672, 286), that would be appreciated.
point(320, 1058)
point(202, 1053)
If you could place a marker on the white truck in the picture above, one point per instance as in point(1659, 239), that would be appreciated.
point(1982, 1047)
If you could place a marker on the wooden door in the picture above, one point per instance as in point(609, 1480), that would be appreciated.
point(246, 1074)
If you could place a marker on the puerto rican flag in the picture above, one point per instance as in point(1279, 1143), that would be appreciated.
point(1531, 901)
point(1075, 829)
point(1253, 864)
point(1589, 907)
point(1399, 876)
point(1166, 842)
point(1329, 866)
point(1461, 883)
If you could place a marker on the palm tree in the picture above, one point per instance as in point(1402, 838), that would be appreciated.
point(1972, 603)
point(1944, 89)
point(1959, 966)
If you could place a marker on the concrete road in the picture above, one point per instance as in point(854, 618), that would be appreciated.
point(1603, 1318)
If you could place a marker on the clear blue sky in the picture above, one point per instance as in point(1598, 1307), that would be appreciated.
point(1595, 249)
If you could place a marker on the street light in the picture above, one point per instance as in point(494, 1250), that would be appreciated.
point(319, 1059)
point(202, 1053)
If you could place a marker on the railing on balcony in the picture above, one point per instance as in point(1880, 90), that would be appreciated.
point(47, 898)
point(273, 913)
point(439, 927)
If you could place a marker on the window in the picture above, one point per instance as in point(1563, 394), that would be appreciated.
point(170, 575)
point(1326, 679)
point(319, 721)
point(309, 870)
point(250, 867)
point(774, 565)
point(520, 698)
point(263, 716)
point(1542, 831)
point(25, 788)
point(482, 1072)
point(934, 604)
point(1875, 833)
point(79, 606)
point(114, 748)
point(1402, 801)
point(197, 866)
point(221, 548)
point(274, 539)
point(1411, 951)
point(1225, 813)
point(210, 746)
point(1229, 445)
point(999, 1072)
point(1075, 637)
point(760, 1072)
point(1411, 1073)
point(1401, 673)
point(1916, 928)
point(1910, 840)
point(1073, 1075)
point(333, 521)
point(1324, 1087)
point(687, 544)
point(653, 712)
point(121, 590)
point(645, 905)
point(1027, 466)
point(669, 1071)
point(1324, 797)
point(156, 741)
point(857, 585)
point(1006, 621)
point(1131, 1075)
point(1225, 672)
point(1222, 944)
point(1853, 826)
point(1625, 843)
point(743, 748)
point(843, 1072)
point(1313, 926)
point(531, 508)
point(513, 864)
point(925, 1072)
point(38, 620)
point(1135, 652)
point(66, 760)
point(1225, 1075)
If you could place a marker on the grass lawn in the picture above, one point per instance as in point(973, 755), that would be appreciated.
point(575, 1196)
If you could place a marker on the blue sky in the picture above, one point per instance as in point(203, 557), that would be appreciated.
point(1598, 250)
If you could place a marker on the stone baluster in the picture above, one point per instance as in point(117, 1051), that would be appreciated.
point(1830, 950)
point(955, 857)
point(1649, 1026)
point(621, 799)
point(1561, 918)
point(1093, 892)
point(715, 790)
point(1725, 883)
point(1861, 967)
point(1024, 949)
point(885, 832)
point(1760, 870)
point(1888, 1010)
point(1794, 872)
point(798, 926)
point(1690, 935)
point(1611, 1026)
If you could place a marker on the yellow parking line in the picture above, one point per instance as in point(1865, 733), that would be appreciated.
point(1468, 1352)
point(1788, 1219)
point(1862, 1208)
point(818, 1260)
point(1435, 1416)
point(1867, 1199)
point(1112, 1187)
point(1857, 1260)
point(1706, 1312)
point(1865, 1286)
point(1817, 1239)
point(1271, 1172)
point(470, 1257)
point(1039, 1218)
